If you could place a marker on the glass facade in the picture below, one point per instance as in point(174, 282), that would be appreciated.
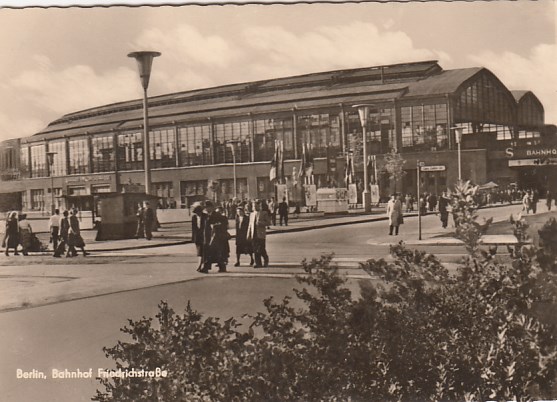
point(130, 151)
point(191, 191)
point(265, 133)
point(59, 160)
point(194, 143)
point(79, 156)
point(162, 146)
point(424, 127)
point(484, 105)
point(226, 189)
point(165, 191)
point(38, 161)
point(237, 132)
point(320, 130)
point(102, 151)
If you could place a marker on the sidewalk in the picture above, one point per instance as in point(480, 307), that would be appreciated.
point(180, 232)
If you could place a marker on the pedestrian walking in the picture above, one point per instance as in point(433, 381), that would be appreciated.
point(432, 202)
point(140, 217)
point(25, 234)
point(64, 230)
point(148, 220)
point(283, 212)
point(11, 236)
point(408, 203)
point(535, 199)
point(54, 228)
point(443, 209)
point(257, 234)
point(394, 212)
point(215, 239)
point(548, 199)
point(74, 236)
point(197, 228)
point(526, 202)
point(243, 245)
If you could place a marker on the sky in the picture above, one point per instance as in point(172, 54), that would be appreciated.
point(56, 61)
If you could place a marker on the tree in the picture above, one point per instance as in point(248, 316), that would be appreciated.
point(414, 332)
point(393, 167)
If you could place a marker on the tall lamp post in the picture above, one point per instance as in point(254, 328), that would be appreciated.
point(144, 63)
point(458, 138)
point(363, 111)
point(232, 144)
point(50, 160)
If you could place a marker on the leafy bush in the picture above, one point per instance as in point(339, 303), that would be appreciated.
point(419, 333)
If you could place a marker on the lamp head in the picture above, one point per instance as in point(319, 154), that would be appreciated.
point(458, 133)
point(144, 63)
point(363, 112)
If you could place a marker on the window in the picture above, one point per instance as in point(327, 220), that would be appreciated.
point(77, 190)
point(162, 144)
point(237, 132)
point(195, 145)
point(130, 151)
point(424, 127)
point(265, 189)
point(24, 160)
point(191, 191)
point(25, 201)
point(103, 154)
point(37, 199)
point(59, 160)
point(226, 189)
point(165, 191)
point(38, 161)
point(79, 156)
point(100, 188)
point(319, 130)
point(266, 131)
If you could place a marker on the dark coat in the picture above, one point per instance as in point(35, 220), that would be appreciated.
point(12, 233)
point(243, 245)
point(197, 226)
point(64, 228)
point(215, 239)
point(74, 233)
point(283, 208)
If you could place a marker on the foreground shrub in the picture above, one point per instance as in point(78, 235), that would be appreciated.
point(418, 333)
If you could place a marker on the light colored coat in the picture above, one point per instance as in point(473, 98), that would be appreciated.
point(394, 212)
point(258, 220)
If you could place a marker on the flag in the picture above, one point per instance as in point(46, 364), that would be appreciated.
point(280, 161)
point(302, 171)
point(273, 172)
point(349, 170)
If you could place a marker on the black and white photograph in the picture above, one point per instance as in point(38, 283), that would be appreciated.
point(242, 201)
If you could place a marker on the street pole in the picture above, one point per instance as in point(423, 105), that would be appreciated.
point(363, 111)
point(50, 160)
point(234, 170)
point(144, 63)
point(458, 138)
point(418, 168)
point(459, 163)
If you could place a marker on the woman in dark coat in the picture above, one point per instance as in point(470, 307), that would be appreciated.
point(197, 227)
point(243, 246)
point(215, 239)
point(11, 238)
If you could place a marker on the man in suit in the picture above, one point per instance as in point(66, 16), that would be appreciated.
point(148, 220)
point(283, 212)
point(257, 233)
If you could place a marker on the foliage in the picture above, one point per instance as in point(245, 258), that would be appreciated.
point(464, 210)
point(414, 332)
point(393, 167)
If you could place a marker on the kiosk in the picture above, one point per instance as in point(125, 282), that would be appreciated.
point(117, 212)
point(332, 200)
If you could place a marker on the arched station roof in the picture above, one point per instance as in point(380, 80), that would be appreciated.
point(371, 84)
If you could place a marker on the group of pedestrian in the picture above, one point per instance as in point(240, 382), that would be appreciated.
point(146, 221)
point(273, 208)
point(18, 232)
point(65, 231)
point(211, 237)
point(530, 199)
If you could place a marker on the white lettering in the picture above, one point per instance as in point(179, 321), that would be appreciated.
point(33, 374)
point(509, 152)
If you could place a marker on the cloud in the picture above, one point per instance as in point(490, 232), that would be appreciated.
point(535, 72)
point(353, 45)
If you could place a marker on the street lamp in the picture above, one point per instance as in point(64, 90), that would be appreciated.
point(144, 62)
point(232, 144)
point(50, 160)
point(363, 111)
point(458, 138)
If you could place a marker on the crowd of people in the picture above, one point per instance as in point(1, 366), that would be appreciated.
point(211, 236)
point(64, 232)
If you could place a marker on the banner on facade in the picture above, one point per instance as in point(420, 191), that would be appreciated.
point(374, 190)
point(310, 191)
point(352, 193)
